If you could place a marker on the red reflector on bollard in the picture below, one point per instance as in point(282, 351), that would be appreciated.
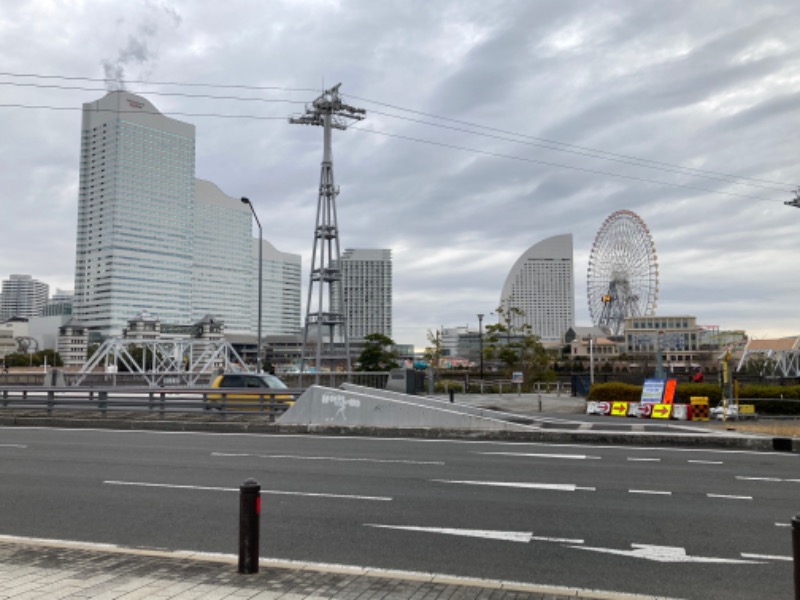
point(258, 504)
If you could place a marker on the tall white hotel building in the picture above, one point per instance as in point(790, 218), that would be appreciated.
point(152, 237)
point(541, 285)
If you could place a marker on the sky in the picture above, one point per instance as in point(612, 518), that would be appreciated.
point(490, 126)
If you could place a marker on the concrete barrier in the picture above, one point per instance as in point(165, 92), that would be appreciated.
point(379, 408)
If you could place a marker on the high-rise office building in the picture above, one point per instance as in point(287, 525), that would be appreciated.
point(280, 290)
point(22, 296)
point(541, 286)
point(367, 288)
point(60, 303)
point(221, 269)
point(151, 237)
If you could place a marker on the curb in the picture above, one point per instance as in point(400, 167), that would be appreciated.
point(356, 571)
point(253, 425)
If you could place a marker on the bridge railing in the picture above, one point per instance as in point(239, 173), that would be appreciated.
point(159, 401)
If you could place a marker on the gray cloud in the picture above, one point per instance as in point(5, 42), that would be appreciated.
point(710, 85)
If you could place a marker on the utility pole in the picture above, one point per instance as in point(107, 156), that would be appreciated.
point(329, 112)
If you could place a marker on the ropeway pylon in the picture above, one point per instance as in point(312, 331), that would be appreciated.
point(329, 112)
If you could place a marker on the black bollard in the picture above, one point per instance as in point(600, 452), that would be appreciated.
point(249, 517)
point(452, 394)
point(796, 554)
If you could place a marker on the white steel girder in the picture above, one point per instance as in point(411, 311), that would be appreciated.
point(777, 363)
point(188, 359)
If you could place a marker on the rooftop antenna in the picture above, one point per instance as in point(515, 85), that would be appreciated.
point(329, 112)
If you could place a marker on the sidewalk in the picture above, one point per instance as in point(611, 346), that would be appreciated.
point(37, 569)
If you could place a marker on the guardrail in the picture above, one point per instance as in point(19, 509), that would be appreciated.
point(160, 401)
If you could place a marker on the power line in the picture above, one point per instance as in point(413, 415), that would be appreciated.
point(410, 139)
point(149, 93)
point(566, 146)
point(535, 141)
point(407, 138)
point(174, 83)
point(149, 112)
point(554, 164)
point(615, 158)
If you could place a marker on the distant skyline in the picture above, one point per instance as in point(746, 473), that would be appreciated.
point(490, 126)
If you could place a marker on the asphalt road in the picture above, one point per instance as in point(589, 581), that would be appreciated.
point(666, 522)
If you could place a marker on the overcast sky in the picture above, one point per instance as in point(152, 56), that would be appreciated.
point(491, 125)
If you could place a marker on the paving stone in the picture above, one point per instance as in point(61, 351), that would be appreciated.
point(32, 571)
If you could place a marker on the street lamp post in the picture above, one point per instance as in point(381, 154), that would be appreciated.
point(260, 279)
point(480, 342)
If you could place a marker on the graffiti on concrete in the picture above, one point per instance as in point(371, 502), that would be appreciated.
point(341, 402)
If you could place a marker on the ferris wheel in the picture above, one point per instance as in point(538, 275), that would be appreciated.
point(622, 280)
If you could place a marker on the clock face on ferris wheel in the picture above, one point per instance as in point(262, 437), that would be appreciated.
point(622, 279)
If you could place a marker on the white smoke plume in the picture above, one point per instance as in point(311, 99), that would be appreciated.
point(140, 47)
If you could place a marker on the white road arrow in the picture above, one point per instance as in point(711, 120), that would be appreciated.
point(666, 554)
point(504, 536)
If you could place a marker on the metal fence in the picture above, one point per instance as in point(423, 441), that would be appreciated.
point(155, 401)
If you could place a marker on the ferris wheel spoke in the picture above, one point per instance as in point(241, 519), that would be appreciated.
point(622, 278)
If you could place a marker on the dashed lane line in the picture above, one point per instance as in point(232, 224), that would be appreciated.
point(766, 556)
point(271, 492)
point(560, 487)
point(330, 458)
point(542, 455)
point(729, 497)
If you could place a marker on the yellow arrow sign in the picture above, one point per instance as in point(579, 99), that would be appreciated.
point(661, 411)
point(619, 409)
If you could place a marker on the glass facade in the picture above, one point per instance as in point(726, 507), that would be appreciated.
point(152, 238)
point(541, 285)
point(367, 288)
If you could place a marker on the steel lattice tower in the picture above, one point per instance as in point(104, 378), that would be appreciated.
point(329, 112)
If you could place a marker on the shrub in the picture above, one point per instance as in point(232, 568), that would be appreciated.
point(615, 392)
point(443, 386)
point(685, 391)
point(756, 390)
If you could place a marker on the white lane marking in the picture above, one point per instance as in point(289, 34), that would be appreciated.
point(504, 536)
point(656, 492)
point(405, 440)
point(766, 556)
point(568, 456)
point(272, 492)
point(783, 524)
point(634, 459)
point(13, 446)
point(705, 462)
point(331, 458)
point(561, 487)
point(665, 554)
point(773, 479)
point(729, 497)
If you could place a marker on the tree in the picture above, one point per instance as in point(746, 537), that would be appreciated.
point(433, 353)
point(34, 359)
point(377, 354)
point(512, 341)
